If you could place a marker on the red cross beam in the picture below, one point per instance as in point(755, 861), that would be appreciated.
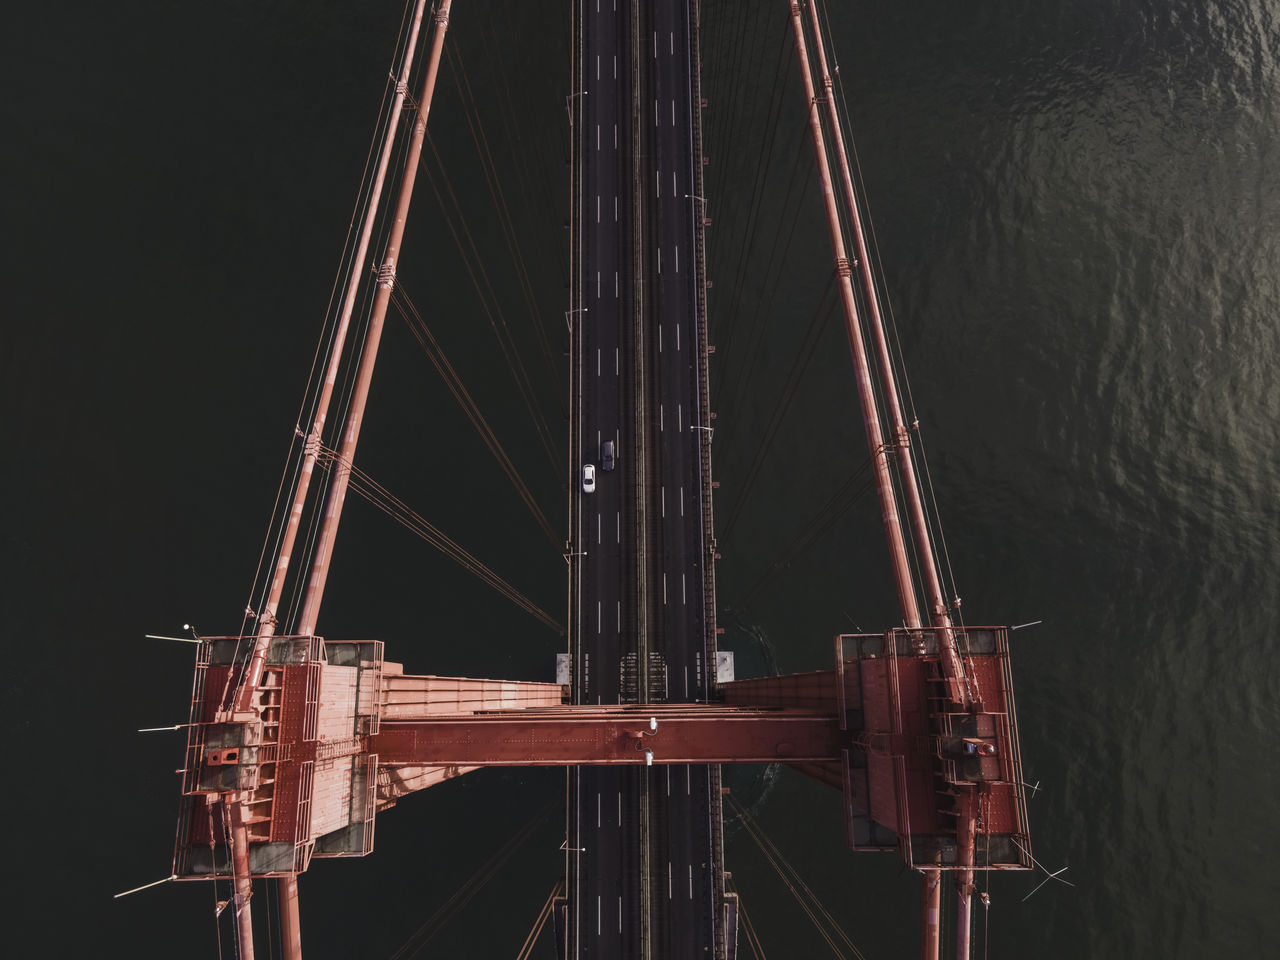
point(562, 736)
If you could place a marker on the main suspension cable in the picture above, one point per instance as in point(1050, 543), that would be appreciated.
point(936, 533)
point(347, 265)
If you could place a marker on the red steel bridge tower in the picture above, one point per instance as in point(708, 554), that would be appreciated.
point(296, 743)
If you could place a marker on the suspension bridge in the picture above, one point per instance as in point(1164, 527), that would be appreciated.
point(297, 743)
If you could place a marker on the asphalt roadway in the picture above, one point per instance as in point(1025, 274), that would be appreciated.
point(637, 548)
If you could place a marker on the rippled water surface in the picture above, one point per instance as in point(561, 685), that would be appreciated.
point(1078, 217)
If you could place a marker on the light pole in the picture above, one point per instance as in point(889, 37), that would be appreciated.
point(568, 103)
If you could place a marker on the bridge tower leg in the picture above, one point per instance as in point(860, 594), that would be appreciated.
point(931, 907)
point(290, 927)
point(243, 880)
point(288, 887)
point(953, 669)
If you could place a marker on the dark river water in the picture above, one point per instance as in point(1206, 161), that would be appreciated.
point(1078, 216)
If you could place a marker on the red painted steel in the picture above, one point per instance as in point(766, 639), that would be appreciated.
point(373, 336)
point(811, 689)
point(342, 468)
point(930, 914)
point(866, 393)
point(243, 879)
point(267, 615)
point(588, 735)
point(415, 697)
point(953, 668)
point(966, 831)
point(290, 931)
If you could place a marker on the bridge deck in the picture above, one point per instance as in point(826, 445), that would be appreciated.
point(641, 581)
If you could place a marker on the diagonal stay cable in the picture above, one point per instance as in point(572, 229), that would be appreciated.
point(474, 884)
point(795, 883)
point(822, 522)
point(795, 374)
point(435, 353)
point(472, 114)
point(531, 940)
point(775, 267)
point(474, 263)
point(752, 938)
point(451, 548)
point(402, 513)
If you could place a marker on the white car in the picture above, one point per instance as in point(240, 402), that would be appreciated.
point(589, 478)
